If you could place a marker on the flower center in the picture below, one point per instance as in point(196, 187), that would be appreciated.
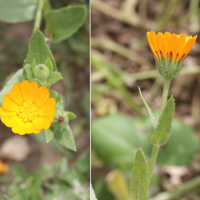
point(27, 111)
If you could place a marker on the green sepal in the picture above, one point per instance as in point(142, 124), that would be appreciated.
point(168, 68)
point(163, 129)
point(53, 78)
point(139, 180)
point(49, 134)
point(38, 82)
point(49, 64)
point(71, 115)
point(153, 119)
point(65, 138)
point(29, 73)
point(60, 124)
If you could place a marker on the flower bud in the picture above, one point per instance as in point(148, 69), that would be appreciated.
point(41, 72)
point(60, 119)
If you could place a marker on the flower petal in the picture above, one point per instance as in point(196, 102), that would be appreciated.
point(7, 113)
point(30, 128)
point(9, 104)
point(151, 46)
point(173, 42)
point(49, 118)
point(39, 91)
point(160, 44)
point(38, 123)
point(24, 89)
point(23, 130)
point(167, 36)
point(152, 37)
point(47, 124)
point(18, 127)
point(32, 91)
point(16, 94)
point(181, 43)
point(43, 98)
point(51, 102)
point(187, 47)
point(10, 121)
point(47, 112)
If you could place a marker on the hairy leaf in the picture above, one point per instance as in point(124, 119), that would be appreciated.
point(39, 50)
point(163, 129)
point(15, 11)
point(65, 22)
point(139, 183)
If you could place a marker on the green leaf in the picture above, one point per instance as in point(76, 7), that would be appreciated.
point(49, 64)
point(33, 65)
point(153, 120)
point(183, 141)
point(17, 77)
point(65, 138)
point(38, 82)
point(49, 134)
point(116, 138)
point(139, 183)
point(93, 197)
point(58, 98)
point(29, 73)
point(71, 115)
point(64, 22)
point(54, 77)
point(39, 50)
point(163, 129)
point(14, 11)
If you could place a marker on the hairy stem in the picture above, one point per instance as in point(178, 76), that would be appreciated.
point(156, 148)
point(152, 162)
point(38, 17)
point(164, 96)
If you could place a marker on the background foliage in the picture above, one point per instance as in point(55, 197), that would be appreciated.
point(121, 61)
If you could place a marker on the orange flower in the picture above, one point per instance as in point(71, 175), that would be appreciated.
point(3, 168)
point(27, 108)
point(170, 45)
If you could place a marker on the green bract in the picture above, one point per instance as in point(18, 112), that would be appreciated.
point(40, 65)
point(168, 68)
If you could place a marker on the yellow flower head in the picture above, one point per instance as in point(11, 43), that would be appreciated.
point(170, 45)
point(169, 51)
point(27, 108)
point(3, 168)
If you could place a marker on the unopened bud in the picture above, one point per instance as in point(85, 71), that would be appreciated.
point(41, 72)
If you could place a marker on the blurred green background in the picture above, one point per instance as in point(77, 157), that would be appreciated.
point(48, 171)
point(122, 60)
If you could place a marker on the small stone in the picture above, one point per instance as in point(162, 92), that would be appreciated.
point(15, 148)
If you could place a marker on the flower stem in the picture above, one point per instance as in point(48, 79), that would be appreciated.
point(152, 162)
point(38, 17)
point(156, 148)
point(164, 96)
point(47, 32)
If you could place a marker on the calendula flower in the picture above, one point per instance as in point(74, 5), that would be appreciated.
point(27, 108)
point(3, 168)
point(169, 51)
